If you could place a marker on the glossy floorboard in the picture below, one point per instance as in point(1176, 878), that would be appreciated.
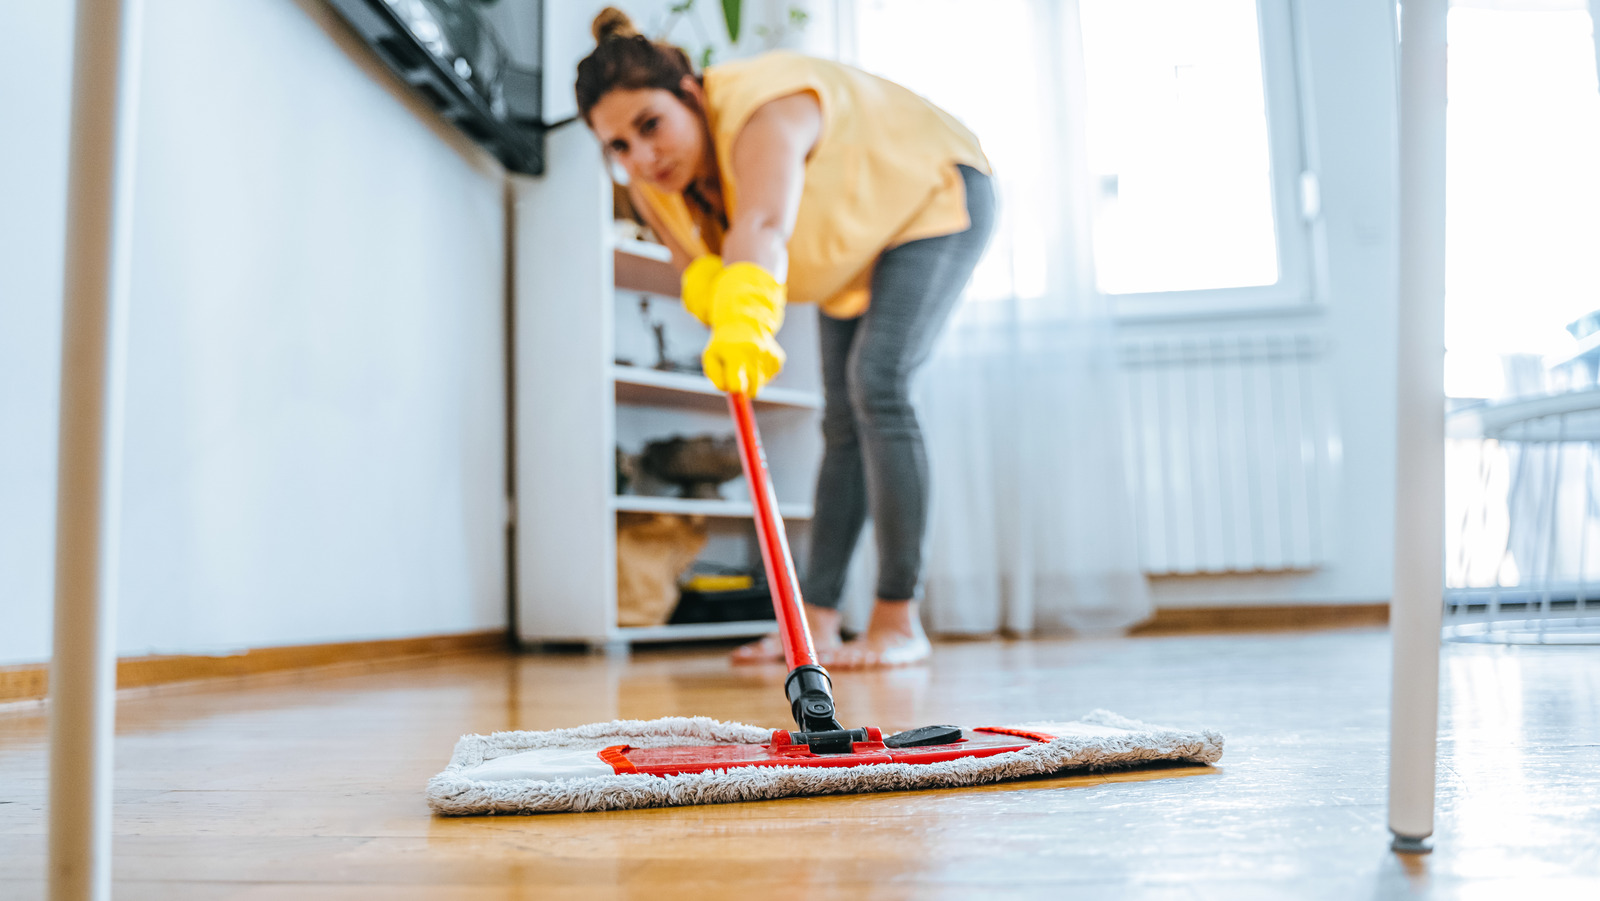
point(309, 786)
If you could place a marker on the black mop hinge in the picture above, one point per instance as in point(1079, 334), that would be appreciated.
point(833, 741)
point(810, 694)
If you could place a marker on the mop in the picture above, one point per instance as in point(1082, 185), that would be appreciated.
point(697, 760)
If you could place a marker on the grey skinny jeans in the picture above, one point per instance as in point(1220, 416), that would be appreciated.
point(874, 460)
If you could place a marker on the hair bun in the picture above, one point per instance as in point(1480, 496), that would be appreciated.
point(612, 23)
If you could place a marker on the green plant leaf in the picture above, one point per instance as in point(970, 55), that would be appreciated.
point(732, 12)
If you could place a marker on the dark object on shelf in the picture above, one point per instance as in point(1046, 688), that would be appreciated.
point(623, 214)
point(664, 361)
point(454, 54)
point(697, 465)
point(627, 470)
point(744, 605)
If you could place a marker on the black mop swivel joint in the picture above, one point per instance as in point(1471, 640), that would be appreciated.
point(810, 694)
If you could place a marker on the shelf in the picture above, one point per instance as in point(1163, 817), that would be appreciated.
point(697, 631)
point(640, 503)
point(649, 250)
point(637, 385)
point(643, 266)
point(575, 265)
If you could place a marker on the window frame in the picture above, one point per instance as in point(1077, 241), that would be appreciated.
point(1295, 200)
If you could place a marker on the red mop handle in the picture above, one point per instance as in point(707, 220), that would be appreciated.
point(797, 647)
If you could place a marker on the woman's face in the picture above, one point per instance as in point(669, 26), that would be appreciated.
point(656, 137)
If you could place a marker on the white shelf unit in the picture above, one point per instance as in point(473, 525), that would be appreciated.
point(639, 503)
point(576, 296)
point(638, 385)
point(694, 631)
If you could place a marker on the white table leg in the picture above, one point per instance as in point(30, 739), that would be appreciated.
point(1417, 606)
point(83, 664)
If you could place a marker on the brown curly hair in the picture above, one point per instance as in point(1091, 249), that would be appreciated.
point(625, 59)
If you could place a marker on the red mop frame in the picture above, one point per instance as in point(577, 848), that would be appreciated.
point(786, 601)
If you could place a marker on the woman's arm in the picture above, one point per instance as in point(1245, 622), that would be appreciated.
point(768, 166)
point(745, 308)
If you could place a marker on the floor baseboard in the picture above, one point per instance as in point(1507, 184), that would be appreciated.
point(1188, 620)
point(30, 682)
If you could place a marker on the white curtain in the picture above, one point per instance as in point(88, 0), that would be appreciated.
point(1032, 525)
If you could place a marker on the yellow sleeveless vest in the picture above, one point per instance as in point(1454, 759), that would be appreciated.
point(883, 172)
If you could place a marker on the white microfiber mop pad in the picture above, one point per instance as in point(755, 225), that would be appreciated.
point(560, 770)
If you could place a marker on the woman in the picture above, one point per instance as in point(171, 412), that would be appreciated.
point(785, 177)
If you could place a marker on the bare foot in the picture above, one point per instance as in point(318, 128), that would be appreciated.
point(767, 649)
point(824, 625)
point(894, 637)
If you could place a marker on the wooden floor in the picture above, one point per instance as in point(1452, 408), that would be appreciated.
point(309, 786)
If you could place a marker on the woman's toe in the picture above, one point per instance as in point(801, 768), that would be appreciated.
point(879, 654)
point(764, 650)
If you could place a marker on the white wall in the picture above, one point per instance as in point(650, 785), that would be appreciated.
point(1348, 67)
point(33, 171)
point(315, 445)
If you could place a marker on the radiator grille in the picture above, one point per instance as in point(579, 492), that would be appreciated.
point(1230, 452)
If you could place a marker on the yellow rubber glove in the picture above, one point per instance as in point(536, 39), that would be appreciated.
point(746, 311)
point(698, 280)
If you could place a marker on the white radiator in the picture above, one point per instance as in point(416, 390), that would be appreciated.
point(1230, 452)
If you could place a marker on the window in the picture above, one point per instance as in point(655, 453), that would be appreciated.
point(1522, 194)
point(1176, 129)
point(1190, 130)
point(1193, 148)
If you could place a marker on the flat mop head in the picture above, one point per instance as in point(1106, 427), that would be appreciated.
point(682, 760)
